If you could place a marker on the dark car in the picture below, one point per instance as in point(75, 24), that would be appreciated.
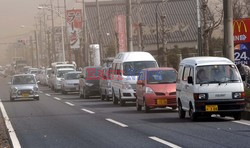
point(89, 83)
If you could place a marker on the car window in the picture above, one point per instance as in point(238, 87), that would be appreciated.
point(186, 73)
point(19, 80)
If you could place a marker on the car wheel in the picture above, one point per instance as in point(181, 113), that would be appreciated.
point(138, 106)
point(237, 116)
point(11, 99)
point(181, 112)
point(192, 114)
point(146, 108)
point(106, 96)
point(102, 96)
point(115, 100)
point(36, 98)
point(122, 102)
point(80, 93)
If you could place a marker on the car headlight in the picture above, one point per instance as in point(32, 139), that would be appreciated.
point(109, 84)
point(126, 86)
point(201, 96)
point(14, 90)
point(89, 84)
point(238, 95)
point(149, 90)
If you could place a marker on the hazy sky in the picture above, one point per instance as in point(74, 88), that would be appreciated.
point(15, 13)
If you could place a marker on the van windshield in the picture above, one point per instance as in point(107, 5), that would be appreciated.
point(134, 68)
point(217, 74)
point(161, 77)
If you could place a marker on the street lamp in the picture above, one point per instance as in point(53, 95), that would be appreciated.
point(157, 30)
point(59, 14)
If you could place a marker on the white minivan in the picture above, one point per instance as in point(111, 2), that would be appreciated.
point(125, 70)
point(209, 85)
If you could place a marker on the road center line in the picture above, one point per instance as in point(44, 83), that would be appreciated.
point(88, 111)
point(116, 122)
point(48, 95)
point(244, 123)
point(164, 142)
point(10, 129)
point(70, 104)
point(57, 98)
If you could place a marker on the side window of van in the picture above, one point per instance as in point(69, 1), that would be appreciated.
point(186, 73)
point(179, 73)
point(113, 68)
point(118, 69)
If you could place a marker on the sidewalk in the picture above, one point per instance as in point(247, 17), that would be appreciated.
point(246, 113)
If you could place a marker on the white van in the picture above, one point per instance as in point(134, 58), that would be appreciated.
point(125, 70)
point(209, 85)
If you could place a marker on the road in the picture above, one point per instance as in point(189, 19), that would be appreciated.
point(67, 121)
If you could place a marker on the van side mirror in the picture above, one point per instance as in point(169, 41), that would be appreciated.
point(140, 82)
point(243, 77)
point(190, 80)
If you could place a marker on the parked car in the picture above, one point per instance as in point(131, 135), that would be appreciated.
point(23, 86)
point(126, 68)
point(70, 82)
point(45, 76)
point(209, 85)
point(90, 82)
point(56, 81)
point(156, 88)
point(105, 84)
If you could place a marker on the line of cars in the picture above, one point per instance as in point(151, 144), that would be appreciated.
point(202, 86)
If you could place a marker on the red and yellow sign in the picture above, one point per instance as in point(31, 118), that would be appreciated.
point(241, 31)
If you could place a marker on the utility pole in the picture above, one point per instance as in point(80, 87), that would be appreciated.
point(49, 48)
point(37, 60)
point(228, 50)
point(84, 35)
point(66, 34)
point(163, 60)
point(99, 32)
point(52, 33)
point(32, 51)
point(199, 29)
point(40, 42)
point(129, 26)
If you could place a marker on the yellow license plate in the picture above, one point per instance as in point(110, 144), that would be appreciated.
point(161, 101)
point(25, 95)
point(211, 108)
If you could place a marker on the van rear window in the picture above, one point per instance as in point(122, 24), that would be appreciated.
point(134, 68)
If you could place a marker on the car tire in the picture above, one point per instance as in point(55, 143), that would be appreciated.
point(146, 108)
point(102, 96)
point(12, 99)
point(138, 106)
point(122, 102)
point(192, 114)
point(106, 96)
point(181, 112)
point(237, 116)
point(115, 100)
point(36, 98)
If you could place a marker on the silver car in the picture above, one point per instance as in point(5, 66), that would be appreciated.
point(70, 82)
point(23, 86)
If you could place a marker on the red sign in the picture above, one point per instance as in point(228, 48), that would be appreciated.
point(241, 31)
point(74, 23)
point(120, 28)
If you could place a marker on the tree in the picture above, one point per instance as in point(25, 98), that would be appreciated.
point(212, 16)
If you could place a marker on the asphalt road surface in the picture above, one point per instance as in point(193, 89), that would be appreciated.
point(67, 121)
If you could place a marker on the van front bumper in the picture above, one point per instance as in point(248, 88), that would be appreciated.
point(128, 95)
point(230, 105)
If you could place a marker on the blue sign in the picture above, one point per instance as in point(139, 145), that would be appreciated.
point(242, 53)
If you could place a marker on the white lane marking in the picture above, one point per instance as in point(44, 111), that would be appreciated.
point(241, 122)
point(70, 104)
point(88, 111)
point(164, 142)
point(12, 134)
point(57, 98)
point(116, 122)
point(48, 95)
